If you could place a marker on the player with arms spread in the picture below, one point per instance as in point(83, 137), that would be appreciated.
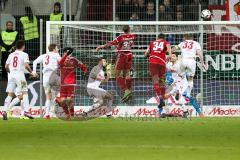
point(68, 64)
point(157, 67)
point(16, 63)
point(190, 49)
point(124, 44)
point(50, 63)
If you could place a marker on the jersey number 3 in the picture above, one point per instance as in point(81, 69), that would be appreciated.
point(47, 60)
point(188, 45)
point(158, 46)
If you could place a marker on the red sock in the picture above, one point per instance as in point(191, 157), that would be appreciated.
point(157, 89)
point(162, 90)
point(71, 110)
point(121, 82)
point(65, 108)
point(129, 83)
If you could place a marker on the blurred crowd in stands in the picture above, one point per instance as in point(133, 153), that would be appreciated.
point(168, 10)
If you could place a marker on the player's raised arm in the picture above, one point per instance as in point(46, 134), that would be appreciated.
point(67, 51)
point(109, 44)
point(147, 52)
point(200, 55)
point(169, 50)
point(35, 62)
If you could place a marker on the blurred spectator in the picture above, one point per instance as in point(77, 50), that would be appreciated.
point(8, 39)
point(163, 15)
point(179, 16)
point(150, 14)
point(57, 15)
point(30, 31)
point(134, 17)
point(140, 8)
point(192, 12)
point(125, 10)
point(168, 6)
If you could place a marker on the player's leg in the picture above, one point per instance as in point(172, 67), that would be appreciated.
point(48, 102)
point(121, 82)
point(23, 89)
point(127, 75)
point(128, 90)
point(190, 69)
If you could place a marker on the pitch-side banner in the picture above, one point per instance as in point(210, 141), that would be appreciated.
point(142, 111)
point(233, 10)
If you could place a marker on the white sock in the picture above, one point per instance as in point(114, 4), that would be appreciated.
point(47, 106)
point(7, 103)
point(190, 87)
point(22, 109)
point(14, 102)
point(25, 103)
point(109, 103)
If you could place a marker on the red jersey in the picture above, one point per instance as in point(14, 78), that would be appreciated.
point(124, 42)
point(67, 69)
point(157, 51)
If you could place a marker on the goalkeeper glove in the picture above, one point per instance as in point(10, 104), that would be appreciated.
point(68, 50)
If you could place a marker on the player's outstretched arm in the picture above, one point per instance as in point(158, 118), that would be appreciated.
point(7, 68)
point(147, 52)
point(169, 50)
point(35, 62)
point(199, 53)
point(28, 68)
point(105, 46)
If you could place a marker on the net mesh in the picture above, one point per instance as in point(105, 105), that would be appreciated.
point(219, 84)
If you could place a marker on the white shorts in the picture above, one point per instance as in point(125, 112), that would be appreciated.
point(17, 84)
point(179, 85)
point(98, 93)
point(46, 82)
point(188, 66)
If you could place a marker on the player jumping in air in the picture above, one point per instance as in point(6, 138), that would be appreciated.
point(190, 49)
point(50, 63)
point(68, 64)
point(157, 67)
point(179, 86)
point(96, 78)
point(124, 45)
point(16, 63)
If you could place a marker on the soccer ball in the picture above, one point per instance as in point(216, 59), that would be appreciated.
point(206, 14)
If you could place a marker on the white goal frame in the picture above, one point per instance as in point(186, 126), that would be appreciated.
point(143, 23)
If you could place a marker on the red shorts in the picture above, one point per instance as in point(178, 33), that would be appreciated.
point(67, 91)
point(157, 69)
point(124, 61)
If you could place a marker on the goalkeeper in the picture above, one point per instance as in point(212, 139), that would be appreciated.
point(97, 77)
point(68, 64)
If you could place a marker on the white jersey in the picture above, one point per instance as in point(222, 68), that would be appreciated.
point(189, 48)
point(49, 61)
point(16, 62)
point(175, 69)
point(97, 71)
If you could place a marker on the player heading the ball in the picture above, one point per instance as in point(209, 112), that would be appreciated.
point(124, 44)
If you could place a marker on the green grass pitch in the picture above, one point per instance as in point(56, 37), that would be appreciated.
point(118, 139)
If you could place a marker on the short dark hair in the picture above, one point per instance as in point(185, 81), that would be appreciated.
point(20, 44)
point(188, 36)
point(161, 36)
point(126, 29)
point(9, 22)
point(52, 46)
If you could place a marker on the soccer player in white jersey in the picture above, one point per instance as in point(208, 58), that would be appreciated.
point(190, 49)
point(16, 64)
point(50, 63)
point(96, 78)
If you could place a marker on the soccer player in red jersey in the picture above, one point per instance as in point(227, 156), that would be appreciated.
point(68, 64)
point(157, 67)
point(124, 44)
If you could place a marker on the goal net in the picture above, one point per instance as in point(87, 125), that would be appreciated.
point(218, 86)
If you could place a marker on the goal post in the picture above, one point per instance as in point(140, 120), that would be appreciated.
point(219, 40)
